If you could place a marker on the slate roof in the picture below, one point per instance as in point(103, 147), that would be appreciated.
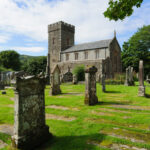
point(88, 46)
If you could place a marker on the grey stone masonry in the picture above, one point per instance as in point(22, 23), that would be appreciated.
point(90, 86)
point(141, 79)
point(129, 76)
point(60, 37)
point(55, 81)
point(30, 129)
point(103, 83)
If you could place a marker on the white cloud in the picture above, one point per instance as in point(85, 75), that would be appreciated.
point(32, 18)
point(4, 38)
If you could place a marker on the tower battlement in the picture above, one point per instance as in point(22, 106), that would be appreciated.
point(61, 25)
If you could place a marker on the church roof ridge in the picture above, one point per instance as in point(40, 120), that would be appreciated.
point(89, 45)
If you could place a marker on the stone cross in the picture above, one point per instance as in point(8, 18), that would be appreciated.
point(90, 86)
point(55, 81)
point(30, 129)
point(103, 83)
point(141, 79)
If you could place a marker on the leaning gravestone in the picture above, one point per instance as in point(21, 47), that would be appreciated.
point(90, 86)
point(129, 76)
point(30, 129)
point(141, 79)
point(55, 81)
point(103, 83)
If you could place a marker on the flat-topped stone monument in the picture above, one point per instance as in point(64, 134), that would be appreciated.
point(141, 79)
point(30, 129)
point(90, 86)
point(55, 81)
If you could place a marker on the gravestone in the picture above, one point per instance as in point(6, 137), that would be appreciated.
point(68, 77)
point(75, 80)
point(48, 69)
point(103, 83)
point(2, 87)
point(147, 79)
point(90, 86)
point(129, 76)
point(141, 79)
point(55, 81)
point(30, 129)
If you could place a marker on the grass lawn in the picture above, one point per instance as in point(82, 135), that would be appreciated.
point(120, 121)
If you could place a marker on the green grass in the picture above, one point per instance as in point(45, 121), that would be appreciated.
point(93, 127)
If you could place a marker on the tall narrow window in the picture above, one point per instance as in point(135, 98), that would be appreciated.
point(76, 56)
point(53, 40)
point(67, 57)
point(85, 55)
point(97, 54)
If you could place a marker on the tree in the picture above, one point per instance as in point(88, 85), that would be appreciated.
point(137, 48)
point(119, 9)
point(79, 72)
point(10, 59)
point(35, 65)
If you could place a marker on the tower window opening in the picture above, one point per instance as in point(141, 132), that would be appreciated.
point(53, 40)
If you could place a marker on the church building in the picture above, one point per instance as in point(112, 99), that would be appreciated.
point(105, 55)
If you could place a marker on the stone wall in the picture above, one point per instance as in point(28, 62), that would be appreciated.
point(65, 65)
point(103, 54)
point(29, 124)
point(115, 56)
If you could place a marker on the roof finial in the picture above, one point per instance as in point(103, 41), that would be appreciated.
point(114, 33)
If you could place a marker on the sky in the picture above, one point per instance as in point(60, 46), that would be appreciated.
point(23, 23)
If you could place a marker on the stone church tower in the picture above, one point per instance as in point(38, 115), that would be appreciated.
point(60, 37)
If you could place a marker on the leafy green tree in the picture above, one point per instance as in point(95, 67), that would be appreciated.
point(10, 59)
point(119, 9)
point(35, 65)
point(79, 72)
point(137, 48)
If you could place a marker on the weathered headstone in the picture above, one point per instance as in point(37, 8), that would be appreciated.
point(30, 129)
point(68, 77)
point(129, 76)
point(141, 79)
point(1, 86)
point(55, 81)
point(147, 79)
point(48, 69)
point(103, 83)
point(90, 86)
point(75, 80)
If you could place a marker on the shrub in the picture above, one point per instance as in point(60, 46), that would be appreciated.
point(79, 72)
point(119, 78)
